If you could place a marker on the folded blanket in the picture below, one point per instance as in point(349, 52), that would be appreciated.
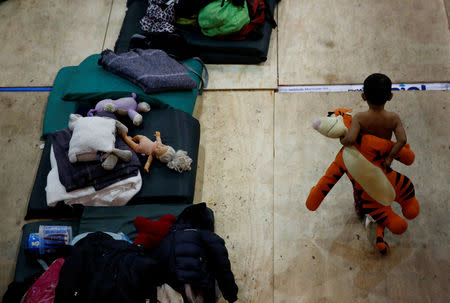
point(82, 174)
point(151, 69)
point(116, 194)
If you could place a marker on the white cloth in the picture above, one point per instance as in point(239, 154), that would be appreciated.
point(91, 134)
point(116, 194)
point(167, 294)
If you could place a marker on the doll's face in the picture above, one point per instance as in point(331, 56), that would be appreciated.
point(161, 150)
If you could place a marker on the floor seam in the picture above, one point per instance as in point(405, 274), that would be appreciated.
point(107, 25)
point(273, 198)
point(446, 13)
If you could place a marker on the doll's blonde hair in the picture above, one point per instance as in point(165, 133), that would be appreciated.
point(178, 160)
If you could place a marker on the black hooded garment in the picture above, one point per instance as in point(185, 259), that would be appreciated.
point(101, 269)
point(193, 254)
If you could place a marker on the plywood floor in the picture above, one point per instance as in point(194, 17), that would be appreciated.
point(337, 42)
point(258, 154)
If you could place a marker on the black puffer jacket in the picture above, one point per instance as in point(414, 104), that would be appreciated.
point(101, 269)
point(195, 255)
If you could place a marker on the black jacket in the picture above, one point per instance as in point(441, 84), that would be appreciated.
point(193, 254)
point(101, 269)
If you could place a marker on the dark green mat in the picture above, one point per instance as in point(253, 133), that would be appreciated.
point(89, 83)
point(108, 219)
point(120, 218)
point(181, 131)
point(57, 112)
point(161, 185)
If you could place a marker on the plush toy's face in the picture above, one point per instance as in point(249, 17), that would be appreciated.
point(331, 127)
point(335, 125)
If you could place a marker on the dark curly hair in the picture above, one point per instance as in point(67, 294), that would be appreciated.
point(377, 89)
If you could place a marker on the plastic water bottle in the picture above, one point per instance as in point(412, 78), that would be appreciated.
point(49, 238)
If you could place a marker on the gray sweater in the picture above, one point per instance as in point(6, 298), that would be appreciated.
point(151, 69)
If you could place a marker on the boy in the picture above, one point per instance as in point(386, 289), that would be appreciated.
point(377, 121)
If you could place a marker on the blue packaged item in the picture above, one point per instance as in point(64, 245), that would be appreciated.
point(49, 238)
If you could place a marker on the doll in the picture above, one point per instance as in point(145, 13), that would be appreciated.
point(177, 160)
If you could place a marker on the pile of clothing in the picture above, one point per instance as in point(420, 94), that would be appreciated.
point(217, 31)
point(228, 19)
point(182, 264)
point(90, 165)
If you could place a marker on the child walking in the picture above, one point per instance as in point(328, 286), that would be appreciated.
point(376, 120)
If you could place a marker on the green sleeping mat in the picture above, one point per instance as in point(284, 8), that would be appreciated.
point(120, 218)
point(57, 112)
point(110, 219)
point(89, 83)
point(161, 185)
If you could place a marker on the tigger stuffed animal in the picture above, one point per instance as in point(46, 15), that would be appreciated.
point(374, 188)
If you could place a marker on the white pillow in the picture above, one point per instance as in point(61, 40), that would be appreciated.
point(91, 134)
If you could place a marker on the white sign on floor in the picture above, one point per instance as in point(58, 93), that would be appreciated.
point(359, 87)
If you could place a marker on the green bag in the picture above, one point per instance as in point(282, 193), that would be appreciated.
point(222, 17)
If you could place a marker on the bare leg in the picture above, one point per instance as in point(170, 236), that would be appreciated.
point(130, 141)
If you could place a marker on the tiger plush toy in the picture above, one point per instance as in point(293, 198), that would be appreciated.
point(374, 188)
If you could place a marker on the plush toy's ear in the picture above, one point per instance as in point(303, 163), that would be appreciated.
point(332, 127)
point(73, 119)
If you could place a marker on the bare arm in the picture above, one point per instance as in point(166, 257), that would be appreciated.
point(352, 134)
point(158, 136)
point(400, 136)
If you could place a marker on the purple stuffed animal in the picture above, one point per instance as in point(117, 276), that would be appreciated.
point(123, 106)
